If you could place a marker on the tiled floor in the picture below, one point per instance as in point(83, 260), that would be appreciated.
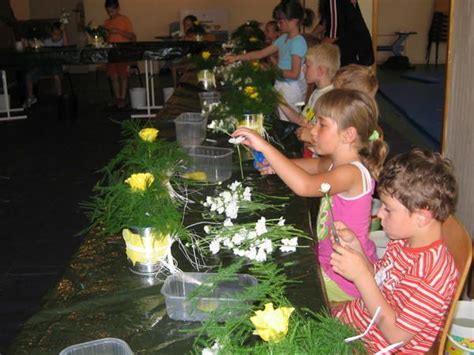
point(48, 166)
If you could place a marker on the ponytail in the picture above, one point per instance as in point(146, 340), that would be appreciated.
point(374, 154)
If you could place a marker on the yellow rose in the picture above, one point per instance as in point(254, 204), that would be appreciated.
point(140, 181)
point(272, 324)
point(148, 134)
point(253, 39)
point(206, 55)
point(251, 91)
point(256, 64)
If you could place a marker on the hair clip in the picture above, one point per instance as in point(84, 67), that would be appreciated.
point(374, 136)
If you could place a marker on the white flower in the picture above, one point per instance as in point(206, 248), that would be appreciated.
point(214, 350)
point(252, 235)
point(281, 221)
point(207, 229)
point(251, 253)
point(325, 187)
point(212, 125)
point(237, 140)
point(260, 226)
point(232, 210)
point(248, 193)
point(226, 196)
point(261, 255)
point(289, 245)
point(228, 223)
point(266, 245)
point(239, 252)
point(238, 238)
point(220, 210)
point(228, 243)
point(234, 185)
point(215, 246)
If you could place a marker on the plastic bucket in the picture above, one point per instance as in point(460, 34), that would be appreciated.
point(167, 92)
point(461, 335)
point(138, 98)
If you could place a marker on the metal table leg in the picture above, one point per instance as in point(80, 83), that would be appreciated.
point(149, 91)
point(11, 112)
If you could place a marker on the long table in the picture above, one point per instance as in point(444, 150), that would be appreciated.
point(114, 53)
point(98, 296)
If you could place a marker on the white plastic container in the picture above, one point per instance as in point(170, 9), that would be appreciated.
point(105, 346)
point(461, 334)
point(190, 129)
point(178, 287)
point(214, 161)
point(167, 92)
point(138, 98)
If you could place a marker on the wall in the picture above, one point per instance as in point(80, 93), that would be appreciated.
point(21, 9)
point(407, 15)
point(151, 18)
point(459, 124)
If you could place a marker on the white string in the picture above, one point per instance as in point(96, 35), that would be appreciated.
point(377, 311)
point(389, 348)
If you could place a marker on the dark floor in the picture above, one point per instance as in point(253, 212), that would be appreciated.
point(48, 166)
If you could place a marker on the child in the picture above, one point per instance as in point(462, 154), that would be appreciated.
point(347, 138)
point(119, 29)
point(58, 39)
point(357, 77)
point(272, 32)
point(291, 48)
point(322, 63)
point(415, 280)
point(188, 23)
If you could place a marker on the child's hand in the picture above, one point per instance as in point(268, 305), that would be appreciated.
point(347, 238)
point(304, 134)
point(349, 263)
point(229, 59)
point(266, 170)
point(252, 138)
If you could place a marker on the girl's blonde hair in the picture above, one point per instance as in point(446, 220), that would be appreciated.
point(351, 108)
point(326, 55)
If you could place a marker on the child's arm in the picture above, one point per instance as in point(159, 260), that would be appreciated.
point(302, 183)
point(295, 70)
point(128, 35)
point(262, 53)
point(348, 261)
point(292, 114)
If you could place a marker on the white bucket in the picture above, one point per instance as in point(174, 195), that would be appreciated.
point(167, 92)
point(138, 98)
point(461, 335)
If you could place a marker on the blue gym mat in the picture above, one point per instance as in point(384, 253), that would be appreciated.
point(419, 95)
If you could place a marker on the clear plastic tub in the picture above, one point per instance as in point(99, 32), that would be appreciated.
point(105, 346)
point(208, 100)
point(178, 287)
point(214, 161)
point(190, 129)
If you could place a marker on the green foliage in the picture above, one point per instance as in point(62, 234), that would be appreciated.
point(250, 74)
point(115, 206)
point(249, 37)
point(203, 62)
point(96, 31)
point(308, 333)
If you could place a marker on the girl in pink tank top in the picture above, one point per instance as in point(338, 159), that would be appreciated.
point(348, 140)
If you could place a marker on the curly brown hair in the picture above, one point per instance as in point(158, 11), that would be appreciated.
point(421, 179)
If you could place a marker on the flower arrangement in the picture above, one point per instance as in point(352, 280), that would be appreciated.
point(96, 31)
point(255, 241)
point(268, 323)
point(237, 198)
point(205, 60)
point(248, 37)
point(249, 90)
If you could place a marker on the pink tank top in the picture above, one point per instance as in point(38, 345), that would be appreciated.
point(355, 213)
